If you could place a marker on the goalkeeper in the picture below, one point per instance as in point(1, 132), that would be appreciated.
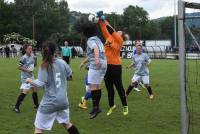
point(113, 45)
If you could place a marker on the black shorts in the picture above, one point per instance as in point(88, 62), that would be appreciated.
point(66, 59)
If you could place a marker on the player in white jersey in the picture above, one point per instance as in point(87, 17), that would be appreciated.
point(26, 65)
point(97, 65)
point(141, 82)
point(140, 62)
point(53, 75)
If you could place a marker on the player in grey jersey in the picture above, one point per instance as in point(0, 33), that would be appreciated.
point(97, 65)
point(53, 75)
point(140, 62)
point(26, 65)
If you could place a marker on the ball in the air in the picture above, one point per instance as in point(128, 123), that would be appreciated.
point(92, 18)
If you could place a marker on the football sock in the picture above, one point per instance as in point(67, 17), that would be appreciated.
point(129, 90)
point(35, 98)
point(20, 99)
point(149, 90)
point(73, 130)
point(88, 95)
point(96, 96)
point(135, 84)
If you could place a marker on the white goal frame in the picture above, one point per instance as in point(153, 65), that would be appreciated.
point(182, 5)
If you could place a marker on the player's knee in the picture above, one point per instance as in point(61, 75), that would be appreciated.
point(67, 125)
point(147, 85)
point(25, 91)
point(38, 131)
point(34, 90)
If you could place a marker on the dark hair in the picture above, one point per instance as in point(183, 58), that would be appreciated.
point(48, 50)
point(89, 30)
point(123, 36)
point(25, 46)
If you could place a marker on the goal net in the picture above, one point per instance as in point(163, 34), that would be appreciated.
point(189, 57)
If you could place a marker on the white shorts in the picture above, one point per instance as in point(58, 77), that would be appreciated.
point(25, 86)
point(45, 121)
point(96, 76)
point(137, 78)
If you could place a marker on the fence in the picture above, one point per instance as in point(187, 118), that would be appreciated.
point(158, 52)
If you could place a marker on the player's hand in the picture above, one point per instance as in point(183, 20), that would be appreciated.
point(97, 61)
point(29, 80)
point(70, 78)
point(100, 15)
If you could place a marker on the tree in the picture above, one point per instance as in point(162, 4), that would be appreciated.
point(50, 18)
point(115, 20)
point(167, 26)
point(134, 19)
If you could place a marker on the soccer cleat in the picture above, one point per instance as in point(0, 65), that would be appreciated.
point(125, 110)
point(136, 89)
point(16, 110)
point(151, 96)
point(83, 103)
point(94, 113)
point(111, 110)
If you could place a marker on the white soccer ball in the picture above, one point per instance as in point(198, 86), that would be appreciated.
point(92, 18)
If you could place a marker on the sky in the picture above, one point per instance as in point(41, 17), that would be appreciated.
point(155, 8)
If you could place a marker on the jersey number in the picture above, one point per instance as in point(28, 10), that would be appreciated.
point(58, 80)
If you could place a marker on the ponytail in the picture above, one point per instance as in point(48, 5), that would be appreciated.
point(48, 50)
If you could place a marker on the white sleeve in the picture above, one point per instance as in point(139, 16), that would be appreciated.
point(42, 78)
point(92, 44)
point(38, 83)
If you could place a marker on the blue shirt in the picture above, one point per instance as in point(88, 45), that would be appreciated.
point(66, 51)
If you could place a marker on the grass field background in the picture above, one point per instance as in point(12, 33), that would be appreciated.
point(158, 116)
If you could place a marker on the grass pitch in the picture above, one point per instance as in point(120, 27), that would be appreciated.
point(158, 116)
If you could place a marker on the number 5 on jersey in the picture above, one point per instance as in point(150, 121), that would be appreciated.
point(58, 80)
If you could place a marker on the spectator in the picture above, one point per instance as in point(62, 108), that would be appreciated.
point(66, 53)
point(7, 51)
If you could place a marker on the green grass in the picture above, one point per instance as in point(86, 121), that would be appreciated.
point(158, 116)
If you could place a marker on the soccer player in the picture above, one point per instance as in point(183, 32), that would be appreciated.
point(26, 65)
point(141, 82)
point(113, 45)
point(140, 62)
point(84, 99)
point(97, 65)
point(53, 75)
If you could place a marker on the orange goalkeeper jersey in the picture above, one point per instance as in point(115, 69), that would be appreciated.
point(112, 51)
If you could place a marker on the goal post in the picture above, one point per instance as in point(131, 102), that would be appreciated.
point(182, 5)
point(182, 74)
